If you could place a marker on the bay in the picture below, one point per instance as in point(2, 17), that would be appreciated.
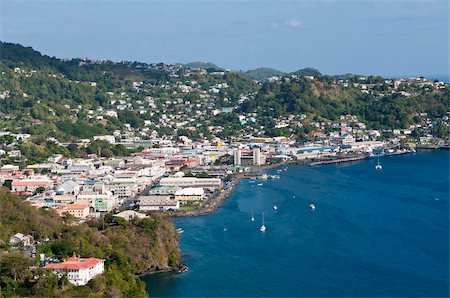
point(373, 233)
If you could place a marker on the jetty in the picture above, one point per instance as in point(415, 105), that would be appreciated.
point(338, 160)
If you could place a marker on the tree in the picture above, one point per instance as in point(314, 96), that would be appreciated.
point(64, 280)
point(15, 265)
point(46, 284)
point(68, 218)
point(40, 190)
point(203, 175)
point(72, 148)
point(8, 184)
point(120, 220)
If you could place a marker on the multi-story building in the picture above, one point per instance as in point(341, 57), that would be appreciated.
point(237, 156)
point(190, 194)
point(30, 185)
point(79, 271)
point(164, 190)
point(247, 158)
point(79, 211)
point(209, 183)
point(158, 203)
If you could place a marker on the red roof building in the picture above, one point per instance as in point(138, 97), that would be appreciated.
point(79, 271)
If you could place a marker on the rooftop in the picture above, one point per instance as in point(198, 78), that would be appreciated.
point(75, 263)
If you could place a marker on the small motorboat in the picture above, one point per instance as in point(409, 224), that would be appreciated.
point(312, 206)
point(275, 207)
point(180, 231)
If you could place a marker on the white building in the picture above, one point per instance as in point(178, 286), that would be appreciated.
point(79, 271)
point(122, 187)
point(190, 194)
point(257, 156)
point(157, 203)
point(19, 238)
point(130, 214)
point(210, 183)
point(109, 138)
point(164, 190)
point(237, 157)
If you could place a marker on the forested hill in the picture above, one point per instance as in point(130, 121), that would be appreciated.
point(262, 73)
point(202, 65)
point(68, 100)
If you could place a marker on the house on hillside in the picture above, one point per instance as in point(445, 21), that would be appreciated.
point(79, 271)
point(20, 239)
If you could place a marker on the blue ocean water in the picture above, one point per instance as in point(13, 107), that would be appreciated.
point(373, 233)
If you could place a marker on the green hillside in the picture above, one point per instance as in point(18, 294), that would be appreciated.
point(75, 99)
point(128, 248)
point(262, 73)
point(202, 65)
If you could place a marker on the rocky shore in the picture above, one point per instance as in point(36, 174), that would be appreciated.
point(156, 269)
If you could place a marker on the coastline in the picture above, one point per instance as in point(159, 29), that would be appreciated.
point(243, 247)
point(212, 204)
point(155, 269)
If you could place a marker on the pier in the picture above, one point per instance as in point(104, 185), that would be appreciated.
point(338, 160)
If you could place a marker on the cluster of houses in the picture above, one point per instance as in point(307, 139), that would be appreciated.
point(171, 175)
point(88, 187)
point(193, 97)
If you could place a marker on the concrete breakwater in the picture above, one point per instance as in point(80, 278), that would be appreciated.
point(338, 160)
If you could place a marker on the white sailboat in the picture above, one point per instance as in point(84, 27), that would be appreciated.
point(263, 227)
point(378, 166)
point(253, 217)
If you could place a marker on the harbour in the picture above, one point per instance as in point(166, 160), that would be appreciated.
point(377, 233)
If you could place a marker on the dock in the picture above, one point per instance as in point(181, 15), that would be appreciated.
point(338, 160)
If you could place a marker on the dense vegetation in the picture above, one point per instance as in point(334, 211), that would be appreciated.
point(202, 65)
point(127, 247)
point(326, 101)
point(262, 73)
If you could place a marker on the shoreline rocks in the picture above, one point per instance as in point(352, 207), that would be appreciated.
point(156, 269)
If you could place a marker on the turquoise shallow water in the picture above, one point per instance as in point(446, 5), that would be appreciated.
point(373, 233)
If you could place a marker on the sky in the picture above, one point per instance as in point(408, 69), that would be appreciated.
point(389, 38)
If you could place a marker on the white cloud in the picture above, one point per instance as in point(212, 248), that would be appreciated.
point(293, 23)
